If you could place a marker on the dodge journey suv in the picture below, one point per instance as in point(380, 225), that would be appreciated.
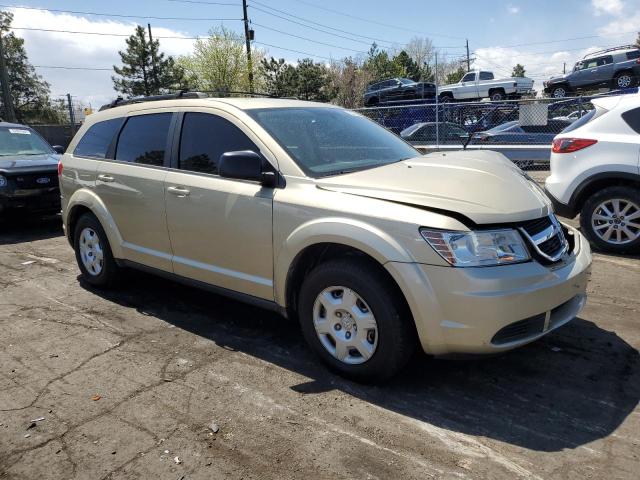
point(322, 215)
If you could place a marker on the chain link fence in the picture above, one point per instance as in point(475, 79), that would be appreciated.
point(520, 129)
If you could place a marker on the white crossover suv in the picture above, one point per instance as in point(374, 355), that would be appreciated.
point(595, 172)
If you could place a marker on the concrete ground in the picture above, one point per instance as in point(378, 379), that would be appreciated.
point(127, 383)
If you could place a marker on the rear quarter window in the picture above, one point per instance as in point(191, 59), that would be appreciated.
point(632, 118)
point(97, 139)
point(633, 55)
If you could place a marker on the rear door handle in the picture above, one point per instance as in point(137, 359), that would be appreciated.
point(178, 191)
point(105, 178)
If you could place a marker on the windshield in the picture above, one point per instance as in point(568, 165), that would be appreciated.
point(22, 141)
point(329, 141)
point(503, 127)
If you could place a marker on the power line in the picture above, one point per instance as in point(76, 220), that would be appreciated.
point(295, 51)
point(50, 30)
point(375, 22)
point(320, 24)
point(206, 3)
point(118, 15)
point(74, 68)
point(560, 40)
point(305, 38)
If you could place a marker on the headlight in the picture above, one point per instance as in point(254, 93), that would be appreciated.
point(477, 248)
point(3, 181)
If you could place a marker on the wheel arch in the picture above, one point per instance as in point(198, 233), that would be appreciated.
point(330, 238)
point(85, 201)
point(599, 181)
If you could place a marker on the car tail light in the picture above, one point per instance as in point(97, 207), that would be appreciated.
point(568, 145)
point(60, 168)
point(638, 60)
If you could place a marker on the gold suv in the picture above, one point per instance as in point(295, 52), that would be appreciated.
point(320, 214)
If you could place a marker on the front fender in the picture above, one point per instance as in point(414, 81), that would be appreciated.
point(343, 231)
point(87, 198)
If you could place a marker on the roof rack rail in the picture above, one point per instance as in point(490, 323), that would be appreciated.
point(186, 94)
point(611, 49)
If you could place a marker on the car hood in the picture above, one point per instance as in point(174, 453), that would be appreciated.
point(483, 186)
point(28, 162)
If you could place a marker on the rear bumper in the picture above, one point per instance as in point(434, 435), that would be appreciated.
point(493, 309)
point(562, 209)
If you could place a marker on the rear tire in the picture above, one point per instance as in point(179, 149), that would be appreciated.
point(93, 252)
point(496, 95)
point(624, 80)
point(446, 98)
point(609, 230)
point(389, 339)
point(559, 91)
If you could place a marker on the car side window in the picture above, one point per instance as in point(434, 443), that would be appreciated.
point(205, 137)
point(469, 77)
point(632, 118)
point(633, 55)
point(486, 76)
point(144, 139)
point(95, 142)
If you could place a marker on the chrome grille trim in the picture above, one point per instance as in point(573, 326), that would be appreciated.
point(538, 239)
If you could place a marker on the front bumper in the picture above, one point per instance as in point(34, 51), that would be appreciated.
point(466, 310)
point(41, 200)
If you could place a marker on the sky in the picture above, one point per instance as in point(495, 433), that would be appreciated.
point(540, 34)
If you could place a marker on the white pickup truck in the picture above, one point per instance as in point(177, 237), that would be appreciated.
point(481, 84)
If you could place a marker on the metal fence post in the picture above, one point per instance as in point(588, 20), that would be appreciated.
point(437, 107)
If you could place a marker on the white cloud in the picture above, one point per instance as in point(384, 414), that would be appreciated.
point(513, 9)
point(73, 50)
point(622, 27)
point(611, 7)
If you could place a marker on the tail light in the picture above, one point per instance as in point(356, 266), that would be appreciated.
point(638, 60)
point(60, 168)
point(568, 145)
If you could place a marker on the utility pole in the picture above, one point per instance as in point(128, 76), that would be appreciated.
point(468, 59)
point(247, 41)
point(154, 73)
point(72, 116)
point(9, 112)
point(564, 67)
point(437, 107)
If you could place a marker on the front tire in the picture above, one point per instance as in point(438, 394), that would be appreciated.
point(559, 92)
point(355, 320)
point(610, 219)
point(93, 252)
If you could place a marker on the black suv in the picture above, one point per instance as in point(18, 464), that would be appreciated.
point(28, 170)
point(615, 68)
point(397, 89)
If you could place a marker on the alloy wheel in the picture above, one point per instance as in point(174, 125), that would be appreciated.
point(624, 81)
point(91, 252)
point(559, 92)
point(345, 325)
point(616, 221)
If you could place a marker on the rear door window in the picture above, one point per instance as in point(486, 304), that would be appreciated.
point(632, 118)
point(205, 137)
point(633, 55)
point(96, 141)
point(144, 139)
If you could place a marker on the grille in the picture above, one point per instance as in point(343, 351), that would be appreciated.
point(546, 237)
point(30, 181)
point(519, 330)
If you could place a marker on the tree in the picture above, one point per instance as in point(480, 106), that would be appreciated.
point(638, 40)
point(219, 62)
point(407, 67)
point(518, 71)
point(455, 76)
point(379, 65)
point(145, 69)
point(347, 82)
point(29, 92)
point(280, 78)
point(312, 80)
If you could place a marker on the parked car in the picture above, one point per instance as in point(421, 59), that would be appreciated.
point(318, 213)
point(477, 85)
point(397, 89)
point(28, 171)
point(595, 172)
point(447, 133)
point(514, 133)
point(616, 68)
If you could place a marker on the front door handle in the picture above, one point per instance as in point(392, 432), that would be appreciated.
point(178, 191)
point(105, 178)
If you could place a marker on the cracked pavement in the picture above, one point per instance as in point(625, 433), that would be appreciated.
point(129, 379)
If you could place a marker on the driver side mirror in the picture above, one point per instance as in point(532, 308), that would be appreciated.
point(59, 149)
point(246, 165)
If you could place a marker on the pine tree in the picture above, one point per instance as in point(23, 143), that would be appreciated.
point(518, 71)
point(145, 70)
